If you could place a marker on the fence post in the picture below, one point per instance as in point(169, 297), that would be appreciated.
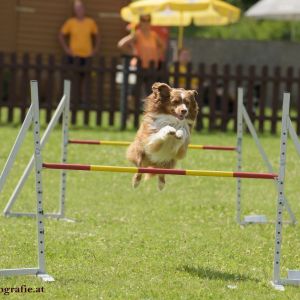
point(23, 93)
point(1, 81)
point(201, 75)
point(100, 89)
point(124, 91)
point(238, 83)
point(12, 88)
point(251, 79)
point(212, 96)
point(225, 100)
point(298, 104)
point(262, 97)
point(50, 86)
point(113, 88)
point(275, 99)
point(138, 85)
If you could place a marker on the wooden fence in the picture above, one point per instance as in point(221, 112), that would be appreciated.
point(102, 87)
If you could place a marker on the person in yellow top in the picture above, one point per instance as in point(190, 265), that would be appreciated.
point(184, 57)
point(82, 31)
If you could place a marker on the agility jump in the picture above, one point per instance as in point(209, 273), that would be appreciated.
point(33, 118)
point(63, 109)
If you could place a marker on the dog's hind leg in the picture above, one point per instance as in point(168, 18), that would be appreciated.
point(161, 182)
point(136, 180)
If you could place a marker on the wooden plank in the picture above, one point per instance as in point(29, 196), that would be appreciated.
point(263, 97)
point(199, 98)
point(100, 89)
point(212, 96)
point(225, 100)
point(275, 98)
point(238, 83)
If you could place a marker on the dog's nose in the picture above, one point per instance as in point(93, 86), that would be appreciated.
point(184, 111)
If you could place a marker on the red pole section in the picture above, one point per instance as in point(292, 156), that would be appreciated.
point(67, 166)
point(255, 175)
point(86, 142)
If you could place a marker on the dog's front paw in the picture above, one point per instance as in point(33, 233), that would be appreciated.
point(168, 131)
point(179, 134)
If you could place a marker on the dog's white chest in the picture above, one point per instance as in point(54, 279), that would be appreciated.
point(172, 133)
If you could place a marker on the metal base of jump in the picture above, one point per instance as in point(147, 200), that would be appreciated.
point(27, 271)
point(258, 219)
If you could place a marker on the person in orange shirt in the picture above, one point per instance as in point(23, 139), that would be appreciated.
point(146, 45)
point(81, 31)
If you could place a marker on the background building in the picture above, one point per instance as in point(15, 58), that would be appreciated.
point(33, 25)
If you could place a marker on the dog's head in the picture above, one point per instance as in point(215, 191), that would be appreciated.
point(180, 103)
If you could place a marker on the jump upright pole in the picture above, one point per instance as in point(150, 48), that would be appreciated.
point(39, 271)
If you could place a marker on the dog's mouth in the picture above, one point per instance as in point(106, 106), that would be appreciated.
point(181, 116)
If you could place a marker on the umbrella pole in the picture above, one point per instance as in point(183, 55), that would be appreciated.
point(180, 33)
point(180, 37)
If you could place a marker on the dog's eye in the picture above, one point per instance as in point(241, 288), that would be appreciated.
point(186, 102)
point(175, 101)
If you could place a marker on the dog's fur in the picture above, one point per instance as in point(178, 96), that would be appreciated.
point(164, 134)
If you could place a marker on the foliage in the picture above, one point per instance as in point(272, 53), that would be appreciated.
point(248, 29)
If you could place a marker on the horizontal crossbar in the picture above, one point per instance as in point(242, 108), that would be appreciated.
point(126, 143)
point(100, 168)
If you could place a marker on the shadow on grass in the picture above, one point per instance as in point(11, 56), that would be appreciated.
point(207, 273)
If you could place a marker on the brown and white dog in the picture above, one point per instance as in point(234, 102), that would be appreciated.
point(164, 134)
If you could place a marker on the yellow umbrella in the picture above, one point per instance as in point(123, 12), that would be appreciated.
point(182, 13)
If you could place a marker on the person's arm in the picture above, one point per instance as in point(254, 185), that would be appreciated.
point(62, 40)
point(96, 44)
point(126, 44)
point(161, 46)
point(96, 37)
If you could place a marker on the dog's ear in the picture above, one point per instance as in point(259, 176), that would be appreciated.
point(161, 89)
point(194, 108)
point(194, 93)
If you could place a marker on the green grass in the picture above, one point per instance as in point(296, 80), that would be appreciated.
point(182, 243)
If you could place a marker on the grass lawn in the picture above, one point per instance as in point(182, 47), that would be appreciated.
point(181, 243)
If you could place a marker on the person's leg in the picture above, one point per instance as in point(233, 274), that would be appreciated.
point(83, 80)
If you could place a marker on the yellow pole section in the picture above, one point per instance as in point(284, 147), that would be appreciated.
point(125, 143)
point(180, 32)
point(114, 169)
point(209, 173)
point(192, 146)
point(115, 143)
